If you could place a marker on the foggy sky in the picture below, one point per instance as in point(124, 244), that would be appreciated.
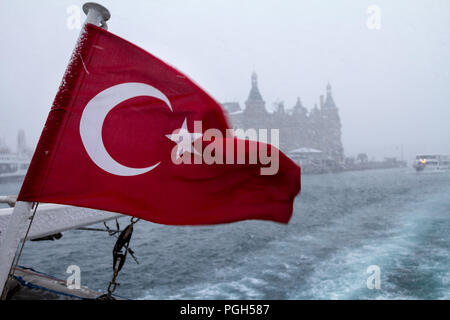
point(391, 85)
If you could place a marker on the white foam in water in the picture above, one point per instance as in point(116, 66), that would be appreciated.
point(343, 276)
point(244, 288)
point(329, 259)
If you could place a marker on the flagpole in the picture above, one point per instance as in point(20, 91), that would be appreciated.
point(22, 213)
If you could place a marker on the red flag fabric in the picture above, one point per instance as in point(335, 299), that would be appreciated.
point(115, 133)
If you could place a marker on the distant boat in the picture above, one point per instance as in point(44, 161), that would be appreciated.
point(13, 166)
point(432, 163)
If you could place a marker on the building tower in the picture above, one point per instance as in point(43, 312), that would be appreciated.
point(22, 147)
point(301, 136)
point(315, 129)
point(331, 135)
point(255, 114)
point(329, 102)
point(255, 105)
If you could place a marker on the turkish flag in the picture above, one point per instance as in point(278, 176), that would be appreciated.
point(116, 130)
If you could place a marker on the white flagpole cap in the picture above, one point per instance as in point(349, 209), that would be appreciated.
point(96, 14)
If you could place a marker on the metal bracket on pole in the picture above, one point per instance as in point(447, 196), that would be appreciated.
point(20, 218)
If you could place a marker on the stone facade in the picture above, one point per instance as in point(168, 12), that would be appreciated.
point(319, 128)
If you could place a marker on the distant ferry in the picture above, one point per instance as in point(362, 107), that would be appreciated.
point(13, 166)
point(432, 163)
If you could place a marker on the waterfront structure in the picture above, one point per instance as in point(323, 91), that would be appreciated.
point(318, 129)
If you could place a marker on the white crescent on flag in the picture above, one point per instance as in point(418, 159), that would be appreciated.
point(94, 115)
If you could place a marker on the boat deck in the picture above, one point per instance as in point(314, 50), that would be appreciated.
point(29, 284)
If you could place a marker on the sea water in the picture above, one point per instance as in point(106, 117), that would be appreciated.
point(396, 220)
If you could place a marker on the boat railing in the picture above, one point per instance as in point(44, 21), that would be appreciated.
point(9, 200)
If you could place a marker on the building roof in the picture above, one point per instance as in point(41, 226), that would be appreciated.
point(231, 107)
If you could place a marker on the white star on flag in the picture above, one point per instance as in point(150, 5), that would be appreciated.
point(184, 139)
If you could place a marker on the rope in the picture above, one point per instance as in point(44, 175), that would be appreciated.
point(111, 233)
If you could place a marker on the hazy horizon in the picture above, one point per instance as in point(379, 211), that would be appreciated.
point(390, 84)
